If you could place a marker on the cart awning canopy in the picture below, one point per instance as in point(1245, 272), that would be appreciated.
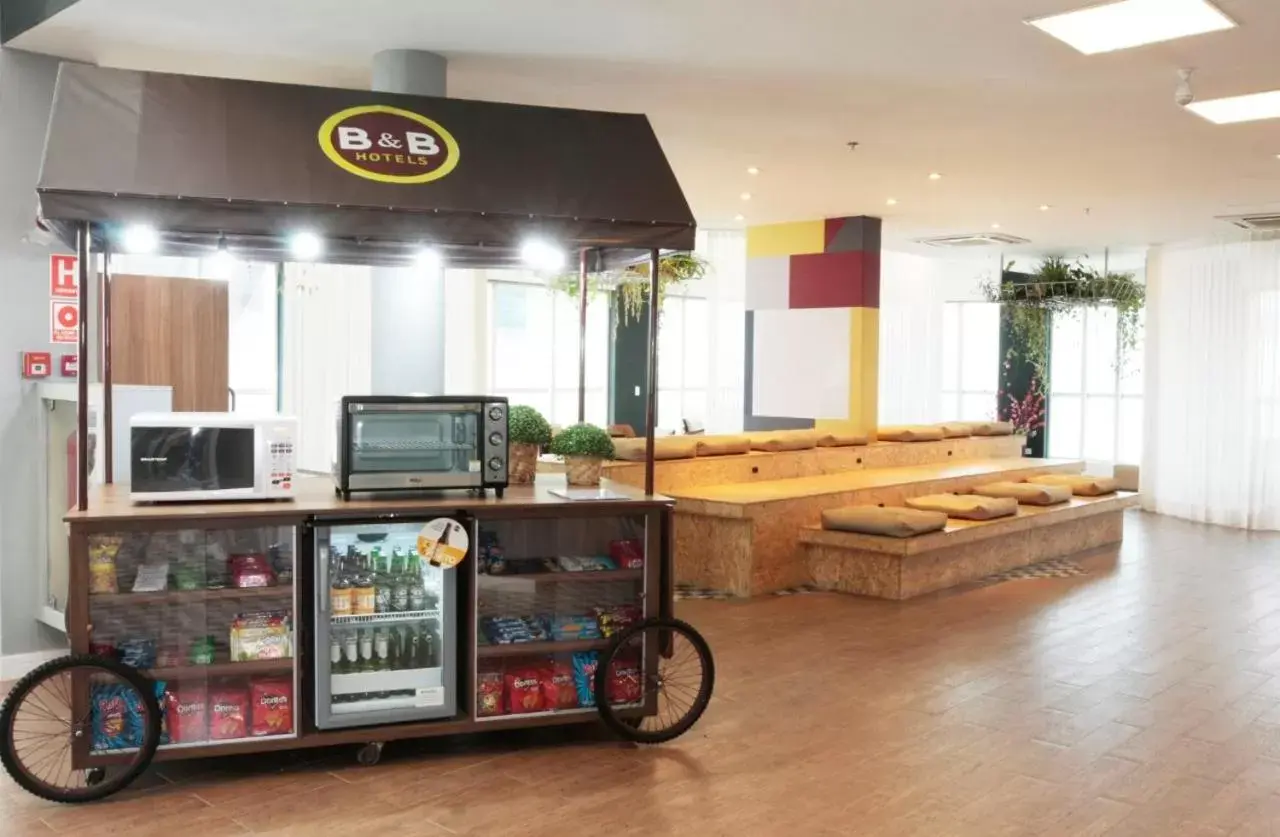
point(203, 158)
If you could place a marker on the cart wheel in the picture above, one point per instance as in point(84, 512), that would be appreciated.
point(370, 754)
point(675, 688)
point(49, 715)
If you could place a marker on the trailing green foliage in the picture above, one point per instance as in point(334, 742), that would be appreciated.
point(632, 282)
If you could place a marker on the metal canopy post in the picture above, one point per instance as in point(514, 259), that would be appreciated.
point(582, 335)
point(84, 233)
point(108, 437)
point(651, 375)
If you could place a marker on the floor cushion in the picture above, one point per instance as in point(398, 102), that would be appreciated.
point(722, 445)
point(993, 428)
point(667, 447)
point(777, 440)
point(909, 433)
point(966, 506)
point(874, 520)
point(955, 429)
point(1027, 494)
point(1081, 485)
point(1126, 477)
point(840, 439)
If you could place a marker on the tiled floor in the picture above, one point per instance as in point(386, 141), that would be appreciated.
point(1140, 699)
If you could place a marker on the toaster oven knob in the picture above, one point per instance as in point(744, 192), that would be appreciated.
point(495, 412)
point(495, 439)
point(495, 463)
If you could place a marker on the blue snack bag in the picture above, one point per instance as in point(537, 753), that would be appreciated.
point(584, 676)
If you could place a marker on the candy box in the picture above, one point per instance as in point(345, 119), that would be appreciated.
point(272, 710)
point(228, 714)
point(574, 627)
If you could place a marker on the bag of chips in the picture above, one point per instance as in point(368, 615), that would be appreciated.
point(489, 694)
point(558, 688)
point(117, 716)
point(272, 707)
point(524, 691)
point(186, 710)
point(102, 563)
point(584, 676)
point(228, 714)
point(624, 682)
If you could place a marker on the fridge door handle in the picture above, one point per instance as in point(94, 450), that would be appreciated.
point(322, 576)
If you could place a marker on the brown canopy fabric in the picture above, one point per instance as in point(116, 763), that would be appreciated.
point(376, 174)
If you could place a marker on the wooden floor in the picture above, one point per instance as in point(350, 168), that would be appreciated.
point(1141, 699)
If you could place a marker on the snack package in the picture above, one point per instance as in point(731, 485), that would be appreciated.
point(272, 707)
point(524, 691)
point(584, 676)
point(102, 563)
point(116, 716)
point(489, 694)
point(228, 714)
point(629, 554)
point(261, 636)
point(558, 687)
point(509, 630)
point(574, 627)
point(186, 713)
point(614, 620)
point(251, 570)
point(138, 652)
point(586, 563)
point(624, 681)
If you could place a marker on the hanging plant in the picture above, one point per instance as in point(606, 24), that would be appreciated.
point(631, 283)
point(1062, 287)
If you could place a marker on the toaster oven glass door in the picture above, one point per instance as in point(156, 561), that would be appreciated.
point(166, 459)
point(415, 439)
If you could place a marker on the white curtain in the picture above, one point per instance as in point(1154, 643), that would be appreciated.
point(1212, 427)
point(911, 306)
point(725, 291)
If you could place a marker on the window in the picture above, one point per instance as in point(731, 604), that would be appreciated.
point(683, 361)
point(971, 360)
point(1095, 406)
point(534, 351)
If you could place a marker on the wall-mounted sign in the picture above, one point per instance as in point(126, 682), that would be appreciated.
point(64, 277)
point(70, 365)
point(64, 321)
point(390, 145)
point(36, 364)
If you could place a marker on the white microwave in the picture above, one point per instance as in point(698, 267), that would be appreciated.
point(185, 457)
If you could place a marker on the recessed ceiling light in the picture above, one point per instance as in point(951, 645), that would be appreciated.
point(935, 176)
point(995, 226)
point(1248, 108)
point(1044, 207)
point(1132, 23)
point(752, 170)
point(892, 202)
point(746, 196)
point(739, 217)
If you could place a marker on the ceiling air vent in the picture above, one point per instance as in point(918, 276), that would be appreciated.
point(974, 240)
point(1255, 223)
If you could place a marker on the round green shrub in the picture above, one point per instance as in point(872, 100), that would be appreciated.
point(526, 426)
point(582, 440)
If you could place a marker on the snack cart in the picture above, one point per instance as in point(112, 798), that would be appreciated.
point(203, 629)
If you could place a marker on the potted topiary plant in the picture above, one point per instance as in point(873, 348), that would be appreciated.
point(583, 447)
point(528, 432)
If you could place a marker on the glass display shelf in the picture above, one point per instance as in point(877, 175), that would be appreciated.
point(383, 618)
point(564, 646)
point(281, 592)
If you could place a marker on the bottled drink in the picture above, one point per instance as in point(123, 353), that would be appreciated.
point(381, 650)
point(395, 656)
point(366, 650)
point(430, 650)
point(400, 588)
point(350, 653)
point(339, 589)
point(366, 597)
point(381, 582)
point(414, 654)
point(335, 653)
point(417, 589)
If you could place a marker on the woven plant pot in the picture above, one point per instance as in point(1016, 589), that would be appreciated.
point(582, 470)
point(523, 466)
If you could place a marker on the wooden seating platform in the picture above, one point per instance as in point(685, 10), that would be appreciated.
point(901, 568)
point(673, 475)
point(744, 538)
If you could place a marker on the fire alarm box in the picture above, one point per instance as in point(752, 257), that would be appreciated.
point(70, 365)
point(36, 364)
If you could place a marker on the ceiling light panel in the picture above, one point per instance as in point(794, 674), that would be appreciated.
point(1250, 108)
point(1133, 23)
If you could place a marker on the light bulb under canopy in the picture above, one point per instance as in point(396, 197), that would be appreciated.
point(140, 238)
point(306, 246)
point(542, 255)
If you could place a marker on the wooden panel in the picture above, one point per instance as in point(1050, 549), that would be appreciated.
point(172, 332)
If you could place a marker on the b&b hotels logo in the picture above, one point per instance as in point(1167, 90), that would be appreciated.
point(388, 144)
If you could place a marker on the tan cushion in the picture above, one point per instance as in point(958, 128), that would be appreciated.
point(955, 429)
point(873, 520)
point(1081, 485)
point(722, 445)
point(622, 431)
point(776, 440)
point(841, 439)
point(910, 433)
point(966, 506)
point(1127, 477)
point(1027, 494)
point(668, 447)
point(993, 428)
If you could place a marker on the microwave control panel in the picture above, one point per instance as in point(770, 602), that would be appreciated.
point(280, 455)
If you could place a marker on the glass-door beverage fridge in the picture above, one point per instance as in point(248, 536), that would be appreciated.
point(386, 641)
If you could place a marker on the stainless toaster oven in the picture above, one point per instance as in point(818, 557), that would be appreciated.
point(412, 443)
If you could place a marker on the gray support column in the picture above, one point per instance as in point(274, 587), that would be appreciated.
point(408, 303)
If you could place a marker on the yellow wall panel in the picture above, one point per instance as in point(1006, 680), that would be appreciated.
point(864, 374)
point(791, 239)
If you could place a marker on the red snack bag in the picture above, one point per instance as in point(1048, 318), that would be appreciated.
point(628, 553)
point(624, 681)
point(272, 707)
point(251, 570)
point(228, 714)
point(558, 688)
point(186, 710)
point(489, 694)
point(524, 691)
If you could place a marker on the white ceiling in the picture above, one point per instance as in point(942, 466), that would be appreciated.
point(1012, 118)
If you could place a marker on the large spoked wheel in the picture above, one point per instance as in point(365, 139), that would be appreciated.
point(51, 715)
point(675, 685)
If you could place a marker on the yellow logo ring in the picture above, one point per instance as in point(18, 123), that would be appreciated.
point(451, 151)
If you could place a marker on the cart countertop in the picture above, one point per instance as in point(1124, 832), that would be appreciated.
point(315, 496)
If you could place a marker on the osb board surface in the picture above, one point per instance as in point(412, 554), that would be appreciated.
point(967, 531)
point(866, 480)
point(713, 553)
point(884, 576)
point(760, 466)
